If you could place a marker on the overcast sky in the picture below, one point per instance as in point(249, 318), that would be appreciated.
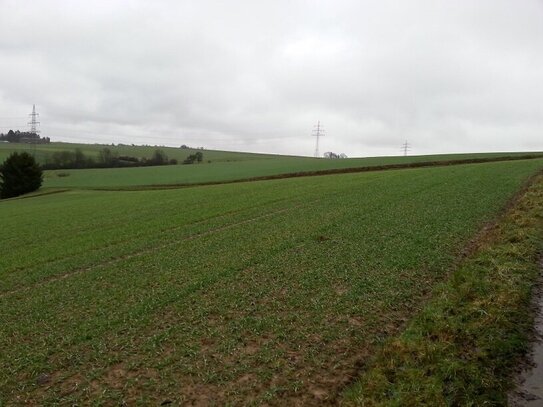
point(448, 76)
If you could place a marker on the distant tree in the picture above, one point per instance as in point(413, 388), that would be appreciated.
point(133, 161)
point(24, 137)
point(106, 157)
point(332, 155)
point(12, 136)
point(159, 158)
point(62, 159)
point(79, 158)
point(198, 156)
point(19, 174)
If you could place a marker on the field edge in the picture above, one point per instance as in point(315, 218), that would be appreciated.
point(462, 348)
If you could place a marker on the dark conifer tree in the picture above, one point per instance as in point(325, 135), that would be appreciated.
point(19, 174)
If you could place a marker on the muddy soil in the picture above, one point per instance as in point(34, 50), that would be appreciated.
point(529, 391)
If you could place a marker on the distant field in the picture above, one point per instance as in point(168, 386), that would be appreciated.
point(217, 166)
point(226, 171)
point(228, 294)
point(42, 151)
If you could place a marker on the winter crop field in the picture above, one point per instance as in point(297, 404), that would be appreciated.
point(43, 152)
point(271, 291)
point(217, 166)
point(119, 178)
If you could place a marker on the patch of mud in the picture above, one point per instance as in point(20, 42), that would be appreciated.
point(529, 392)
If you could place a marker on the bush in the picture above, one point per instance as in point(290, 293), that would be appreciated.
point(198, 156)
point(19, 174)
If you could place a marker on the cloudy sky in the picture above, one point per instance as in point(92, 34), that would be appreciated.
point(448, 76)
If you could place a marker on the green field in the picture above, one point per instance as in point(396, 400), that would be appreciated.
point(261, 292)
point(476, 331)
point(218, 166)
point(225, 171)
point(42, 151)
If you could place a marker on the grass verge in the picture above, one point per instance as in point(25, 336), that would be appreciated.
point(463, 346)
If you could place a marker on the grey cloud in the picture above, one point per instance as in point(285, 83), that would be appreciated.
point(245, 75)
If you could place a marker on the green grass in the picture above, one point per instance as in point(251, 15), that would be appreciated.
point(264, 291)
point(226, 171)
point(463, 347)
point(43, 151)
point(218, 166)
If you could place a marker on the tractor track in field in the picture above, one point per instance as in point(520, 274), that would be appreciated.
point(37, 194)
point(139, 253)
point(133, 237)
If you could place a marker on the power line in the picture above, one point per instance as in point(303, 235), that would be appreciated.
point(33, 122)
point(318, 131)
point(406, 147)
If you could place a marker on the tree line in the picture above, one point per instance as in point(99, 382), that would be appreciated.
point(23, 137)
point(107, 158)
point(20, 174)
point(192, 158)
point(332, 155)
